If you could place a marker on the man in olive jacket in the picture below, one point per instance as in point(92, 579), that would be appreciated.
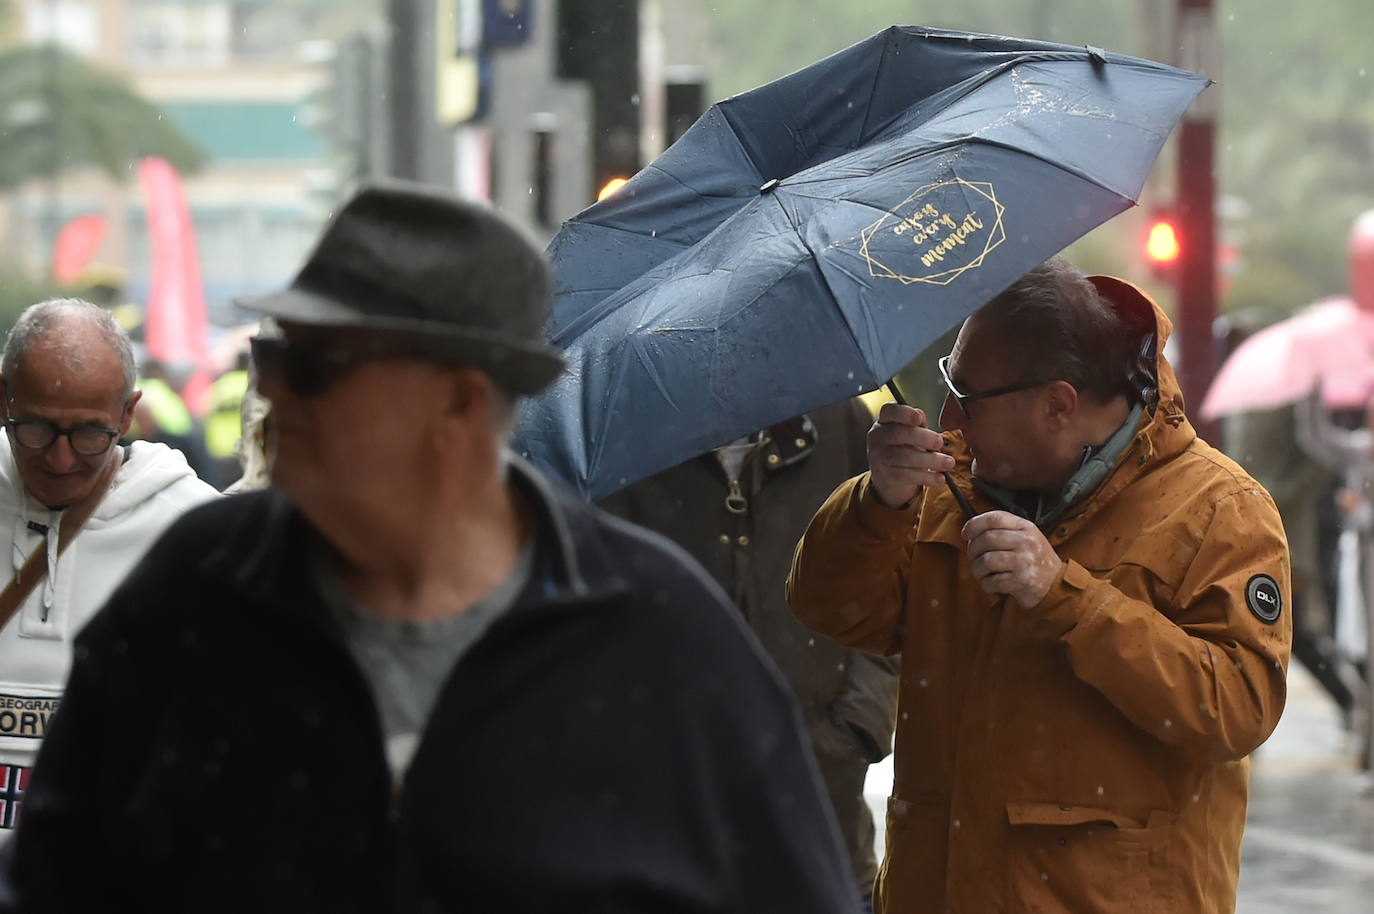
point(1092, 649)
point(739, 511)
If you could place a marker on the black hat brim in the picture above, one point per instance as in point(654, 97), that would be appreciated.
point(518, 366)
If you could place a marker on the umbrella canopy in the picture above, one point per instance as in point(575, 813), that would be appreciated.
point(805, 240)
point(1329, 344)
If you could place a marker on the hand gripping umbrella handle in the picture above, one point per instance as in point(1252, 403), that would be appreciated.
point(964, 504)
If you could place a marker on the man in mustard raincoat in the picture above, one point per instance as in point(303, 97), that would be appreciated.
point(1092, 643)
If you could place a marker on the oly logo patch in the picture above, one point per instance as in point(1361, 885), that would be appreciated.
point(1264, 598)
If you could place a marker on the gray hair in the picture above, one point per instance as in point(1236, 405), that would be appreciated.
point(38, 320)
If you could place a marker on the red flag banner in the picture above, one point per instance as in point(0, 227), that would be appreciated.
point(175, 326)
point(75, 246)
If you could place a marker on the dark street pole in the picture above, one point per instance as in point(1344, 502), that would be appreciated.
point(52, 76)
point(405, 129)
point(1196, 49)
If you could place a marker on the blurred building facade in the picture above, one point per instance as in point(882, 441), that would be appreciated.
point(293, 101)
point(240, 79)
point(530, 147)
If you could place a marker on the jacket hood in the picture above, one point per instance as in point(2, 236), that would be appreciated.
point(149, 471)
point(1144, 315)
point(151, 468)
point(1164, 431)
point(1133, 304)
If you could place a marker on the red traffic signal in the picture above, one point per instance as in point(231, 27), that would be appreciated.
point(1162, 245)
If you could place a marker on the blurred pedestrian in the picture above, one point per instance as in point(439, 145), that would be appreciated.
point(76, 510)
point(1264, 442)
point(161, 415)
point(739, 510)
point(412, 675)
point(223, 420)
point(255, 415)
point(1350, 453)
point(1091, 609)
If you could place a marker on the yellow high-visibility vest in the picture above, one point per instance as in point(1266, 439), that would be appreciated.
point(223, 425)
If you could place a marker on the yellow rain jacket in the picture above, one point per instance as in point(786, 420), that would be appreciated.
point(1088, 754)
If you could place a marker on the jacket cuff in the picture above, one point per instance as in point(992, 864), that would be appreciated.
point(1069, 604)
point(880, 520)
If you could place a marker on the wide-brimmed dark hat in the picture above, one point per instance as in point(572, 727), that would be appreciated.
point(453, 278)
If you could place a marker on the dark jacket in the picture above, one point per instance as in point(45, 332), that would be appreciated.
point(615, 742)
point(745, 538)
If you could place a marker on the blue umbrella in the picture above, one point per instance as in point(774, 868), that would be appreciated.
point(805, 240)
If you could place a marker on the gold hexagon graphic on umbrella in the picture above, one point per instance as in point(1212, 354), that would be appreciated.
point(940, 234)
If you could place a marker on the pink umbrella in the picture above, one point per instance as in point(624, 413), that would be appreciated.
point(1329, 344)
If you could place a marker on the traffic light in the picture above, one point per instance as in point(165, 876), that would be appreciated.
point(610, 187)
point(1163, 245)
point(598, 40)
point(684, 90)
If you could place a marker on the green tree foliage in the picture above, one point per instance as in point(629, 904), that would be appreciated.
point(759, 40)
point(58, 112)
point(1296, 142)
point(18, 290)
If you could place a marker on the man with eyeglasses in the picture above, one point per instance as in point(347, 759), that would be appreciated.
point(1091, 606)
point(77, 510)
point(412, 675)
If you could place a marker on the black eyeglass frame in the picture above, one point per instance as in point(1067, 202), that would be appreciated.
point(962, 400)
point(16, 426)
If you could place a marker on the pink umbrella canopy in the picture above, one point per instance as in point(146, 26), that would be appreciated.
point(1328, 345)
point(1361, 266)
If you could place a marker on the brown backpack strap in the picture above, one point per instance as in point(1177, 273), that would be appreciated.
point(36, 568)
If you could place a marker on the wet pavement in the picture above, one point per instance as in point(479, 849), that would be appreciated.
point(1309, 838)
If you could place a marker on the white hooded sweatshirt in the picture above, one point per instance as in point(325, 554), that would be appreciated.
point(152, 488)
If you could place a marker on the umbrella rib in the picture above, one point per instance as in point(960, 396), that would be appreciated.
point(820, 273)
point(611, 212)
point(877, 71)
point(848, 325)
point(802, 178)
point(745, 198)
point(728, 116)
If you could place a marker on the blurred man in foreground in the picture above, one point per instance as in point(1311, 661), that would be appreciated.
point(77, 510)
point(1091, 648)
point(412, 676)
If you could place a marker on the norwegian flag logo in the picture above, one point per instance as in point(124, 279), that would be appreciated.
point(14, 780)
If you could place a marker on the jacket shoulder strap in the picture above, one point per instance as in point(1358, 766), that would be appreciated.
point(36, 568)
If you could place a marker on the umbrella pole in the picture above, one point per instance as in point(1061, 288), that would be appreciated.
point(964, 504)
